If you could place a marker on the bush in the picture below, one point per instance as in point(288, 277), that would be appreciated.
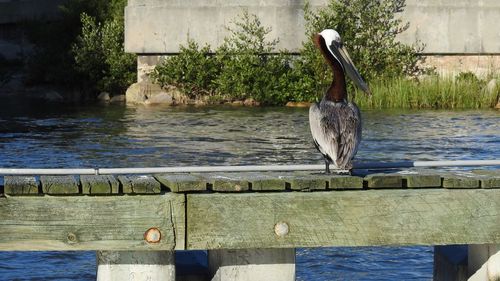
point(193, 71)
point(100, 57)
point(248, 68)
point(241, 68)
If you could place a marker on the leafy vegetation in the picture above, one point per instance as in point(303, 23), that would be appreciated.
point(248, 69)
point(193, 71)
point(100, 58)
point(465, 91)
point(243, 66)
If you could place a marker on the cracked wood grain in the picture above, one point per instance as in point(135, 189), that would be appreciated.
point(20, 185)
point(346, 218)
point(91, 223)
point(99, 184)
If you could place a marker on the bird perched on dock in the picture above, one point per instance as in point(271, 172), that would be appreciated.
point(335, 122)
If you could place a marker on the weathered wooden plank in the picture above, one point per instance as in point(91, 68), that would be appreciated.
point(182, 182)
point(456, 181)
point(99, 184)
point(267, 181)
point(384, 181)
point(308, 181)
point(346, 182)
point(91, 223)
point(228, 182)
point(20, 185)
point(488, 178)
point(347, 218)
point(422, 180)
point(59, 185)
point(139, 184)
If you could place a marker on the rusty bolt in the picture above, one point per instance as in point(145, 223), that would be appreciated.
point(281, 229)
point(152, 235)
point(71, 237)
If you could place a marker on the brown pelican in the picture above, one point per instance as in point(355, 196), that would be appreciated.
point(335, 122)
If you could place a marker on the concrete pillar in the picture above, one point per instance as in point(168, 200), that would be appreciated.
point(135, 265)
point(484, 262)
point(252, 264)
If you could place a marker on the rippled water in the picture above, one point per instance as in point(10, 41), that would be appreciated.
point(115, 136)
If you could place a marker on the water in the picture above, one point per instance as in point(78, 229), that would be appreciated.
point(115, 136)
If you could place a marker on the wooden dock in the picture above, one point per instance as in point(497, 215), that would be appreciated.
point(245, 212)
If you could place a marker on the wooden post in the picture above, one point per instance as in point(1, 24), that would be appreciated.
point(484, 262)
point(252, 264)
point(135, 265)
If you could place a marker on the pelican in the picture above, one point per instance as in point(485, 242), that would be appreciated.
point(335, 122)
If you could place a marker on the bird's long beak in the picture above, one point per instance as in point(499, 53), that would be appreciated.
point(341, 53)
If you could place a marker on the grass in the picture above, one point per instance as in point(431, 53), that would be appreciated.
point(432, 92)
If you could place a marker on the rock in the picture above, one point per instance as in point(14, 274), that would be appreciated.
point(237, 102)
point(251, 102)
point(498, 104)
point(160, 98)
point(298, 104)
point(134, 94)
point(52, 96)
point(200, 102)
point(104, 97)
point(118, 99)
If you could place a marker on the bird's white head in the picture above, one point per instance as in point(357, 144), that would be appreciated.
point(331, 36)
point(336, 48)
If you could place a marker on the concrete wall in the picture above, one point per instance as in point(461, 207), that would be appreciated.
point(454, 26)
point(154, 26)
point(445, 26)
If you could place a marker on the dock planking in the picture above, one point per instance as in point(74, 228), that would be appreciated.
point(99, 184)
point(241, 210)
point(182, 182)
point(20, 185)
point(488, 178)
point(90, 223)
point(139, 184)
point(347, 218)
point(59, 185)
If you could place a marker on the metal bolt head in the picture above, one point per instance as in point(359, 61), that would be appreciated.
point(281, 229)
point(71, 237)
point(152, 235)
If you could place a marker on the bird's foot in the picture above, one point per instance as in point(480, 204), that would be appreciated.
point(341, 172)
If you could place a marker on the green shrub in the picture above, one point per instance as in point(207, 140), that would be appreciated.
point(100, 57)
point(193, 70)
point(241, 68)
point(248, 68)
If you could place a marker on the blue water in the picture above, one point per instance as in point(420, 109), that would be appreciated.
point(115, 136)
